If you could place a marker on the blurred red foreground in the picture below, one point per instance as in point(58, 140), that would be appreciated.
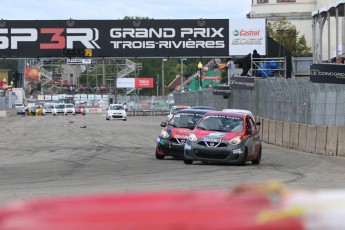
point(150, 210)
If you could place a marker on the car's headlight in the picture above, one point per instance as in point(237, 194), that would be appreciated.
point(192, 137)
point(164, 134)
point(235, 140)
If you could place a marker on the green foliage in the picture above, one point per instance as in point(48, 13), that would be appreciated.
point(10, 64)
point(285, 33)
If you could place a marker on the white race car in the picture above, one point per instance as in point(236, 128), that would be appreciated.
point(116, 111)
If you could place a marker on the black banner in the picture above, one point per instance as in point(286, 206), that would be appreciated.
point(224, 90)
point(246, 83)
point(327, 73)
point(114, 38)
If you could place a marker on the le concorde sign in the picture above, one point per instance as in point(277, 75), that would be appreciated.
point(130, 38)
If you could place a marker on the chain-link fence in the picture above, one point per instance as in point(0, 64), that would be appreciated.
point(294, 100)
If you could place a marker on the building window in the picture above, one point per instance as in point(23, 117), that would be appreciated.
point(280, 1)
point(262, 1)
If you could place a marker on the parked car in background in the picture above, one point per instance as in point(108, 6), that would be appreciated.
point(116, 111)
point(20, 108)
point(34, 110)
point(69, 109)
point(174, 109)
point(224, 137)
point(48, 108)
point(80, 109)
point(171, 140)
point(59, 108)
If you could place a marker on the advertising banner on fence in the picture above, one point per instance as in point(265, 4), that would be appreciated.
point(137, 83)
point(247, 35)
point(327, 73)
point(125, 82)
point(224, 90)
point(246, 83)
point(143, 83)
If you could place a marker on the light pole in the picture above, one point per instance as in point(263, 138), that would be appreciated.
point(200, 77)
point(182, 59)
point(163, 60)
point(157, 83)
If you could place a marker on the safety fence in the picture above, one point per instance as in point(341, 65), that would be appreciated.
point(293, 99)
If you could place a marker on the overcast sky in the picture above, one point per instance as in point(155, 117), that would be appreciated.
point(114, 9)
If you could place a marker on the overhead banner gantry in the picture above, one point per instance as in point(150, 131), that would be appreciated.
point(131, 38)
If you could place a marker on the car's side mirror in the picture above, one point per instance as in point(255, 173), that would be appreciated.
point(163, 124)
point(249, 131)
point(191, 125)
point(258, 123)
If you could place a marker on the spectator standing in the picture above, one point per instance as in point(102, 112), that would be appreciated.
point(246, 64)
point(256, 59)
point(125, 106)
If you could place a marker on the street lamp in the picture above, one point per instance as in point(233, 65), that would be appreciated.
point(182, 59)
point(200, 77)
point(163, 60)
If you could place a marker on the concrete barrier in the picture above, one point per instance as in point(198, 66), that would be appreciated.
point(311, 139)
point(265, 130)
point(321, 136)
point(302, 137)
point(272, 131)
point(332, 141)
point(341, 141)
point(279, 133)
point(3, 113)
point(286, 134)
point(294, 130)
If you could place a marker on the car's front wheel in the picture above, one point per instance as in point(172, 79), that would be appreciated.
point(244, 159)
point(188, 162)
point(159, 157)
point(258, 159)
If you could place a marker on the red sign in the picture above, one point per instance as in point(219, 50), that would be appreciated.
point(143, 83)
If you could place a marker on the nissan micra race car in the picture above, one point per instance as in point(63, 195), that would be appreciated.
point(172, 138)
point(223, 137)
point(116, 111)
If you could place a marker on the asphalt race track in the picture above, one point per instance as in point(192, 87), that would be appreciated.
point(70, 155)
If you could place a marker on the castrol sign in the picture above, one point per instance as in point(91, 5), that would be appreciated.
point(247, 35)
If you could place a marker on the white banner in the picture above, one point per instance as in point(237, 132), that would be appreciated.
point(48, 97)
point(247, 35)
point(125, 82)
point(79, 61)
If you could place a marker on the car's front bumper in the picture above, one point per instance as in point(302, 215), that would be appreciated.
point(223, 153)
point(118, 116)
point(171, 146)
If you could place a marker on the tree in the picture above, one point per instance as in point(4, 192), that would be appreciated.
point(285, 33)
point(10, 64)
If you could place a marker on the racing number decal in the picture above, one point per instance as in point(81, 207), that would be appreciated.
point(57, 41)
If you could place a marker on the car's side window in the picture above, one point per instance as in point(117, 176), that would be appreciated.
point(252, 123)
point(248, 124)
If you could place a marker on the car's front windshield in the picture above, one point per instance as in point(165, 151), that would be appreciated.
point(116, 107)
point(60, 106)
point(181, 120)
point(222, 123)
point(69, 106)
